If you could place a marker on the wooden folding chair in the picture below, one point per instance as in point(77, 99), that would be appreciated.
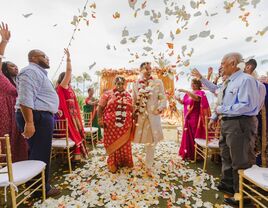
point(253, 183)
point(61, 143)
point(13, 175)
point(208, 146)
point(89, 130)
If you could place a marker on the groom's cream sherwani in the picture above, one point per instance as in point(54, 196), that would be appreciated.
point(148, 128)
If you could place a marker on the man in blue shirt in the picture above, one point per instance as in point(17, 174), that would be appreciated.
point(36, 103)
point(240, 103)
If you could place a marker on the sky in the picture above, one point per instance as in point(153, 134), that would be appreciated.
point(49, 29)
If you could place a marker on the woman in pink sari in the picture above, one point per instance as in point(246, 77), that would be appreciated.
point(69, 109)
point(115, 115)
point(8, 94)
point(196, 108)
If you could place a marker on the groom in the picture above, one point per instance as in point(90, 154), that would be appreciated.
point(149, 102)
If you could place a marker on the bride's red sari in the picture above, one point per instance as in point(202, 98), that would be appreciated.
point(117, 119)
point(71, 111)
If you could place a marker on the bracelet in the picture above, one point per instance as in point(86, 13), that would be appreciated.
point(2, 57)
point(68, 60)
point(3, 40)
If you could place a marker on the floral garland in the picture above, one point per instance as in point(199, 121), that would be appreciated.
point(120, 112)
point(145, 88)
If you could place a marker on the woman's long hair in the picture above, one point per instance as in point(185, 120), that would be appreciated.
point(61, 76)
point(7, 73)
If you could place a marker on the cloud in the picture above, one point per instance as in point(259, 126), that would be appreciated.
point(90, 42)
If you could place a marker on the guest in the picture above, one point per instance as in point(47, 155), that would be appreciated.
point(196, 108)
point(240, 103)
point(69, 109)
point(263, 117)
point(150, 101)
point(36, 103)
point(90, 106)
point(251, 65)
point(8, 94)
point(115, 116)
point(10, 70)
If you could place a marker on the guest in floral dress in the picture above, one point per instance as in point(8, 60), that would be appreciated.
point(8, 94)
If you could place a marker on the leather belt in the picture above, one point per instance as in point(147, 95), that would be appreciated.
point(235, 118)
point(35, 111)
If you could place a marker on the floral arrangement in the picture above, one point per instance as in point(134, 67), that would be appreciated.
point(122, 72)
point(172, 115)
point(120, 113)
point(167, 72)
point(145, 88)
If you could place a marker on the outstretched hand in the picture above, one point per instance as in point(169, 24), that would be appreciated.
point(66, 51)
point(210, 70)
point(196, 74)
point(212, 125)
point(182, 90)
point(4, 32)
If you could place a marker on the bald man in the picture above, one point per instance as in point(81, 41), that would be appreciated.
point(240, 103)
point(36, 103)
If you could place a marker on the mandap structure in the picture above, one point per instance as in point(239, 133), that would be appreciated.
point(171, 115)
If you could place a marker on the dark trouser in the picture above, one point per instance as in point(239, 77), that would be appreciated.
point(237, 144)
point(40, 142)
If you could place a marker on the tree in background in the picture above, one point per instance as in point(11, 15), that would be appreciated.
point(86, 77)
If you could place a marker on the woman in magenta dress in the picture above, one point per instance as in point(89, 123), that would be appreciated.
point(115, 115)
point(8, 94)
point(196, 108)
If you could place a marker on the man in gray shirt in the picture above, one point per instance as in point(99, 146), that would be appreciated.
point(36, 103)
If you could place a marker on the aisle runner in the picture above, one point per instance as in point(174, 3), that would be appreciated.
point(94, 186)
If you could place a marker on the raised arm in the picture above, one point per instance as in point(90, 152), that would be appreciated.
point(210, 85)
point(179, 99)
point(5, 35)
point(191, 94)
point(210, 72)
point(68, 74)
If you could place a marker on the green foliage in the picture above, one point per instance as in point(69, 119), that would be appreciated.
point(80, 100)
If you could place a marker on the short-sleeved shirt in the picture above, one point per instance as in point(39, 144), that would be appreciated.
point(35, 90)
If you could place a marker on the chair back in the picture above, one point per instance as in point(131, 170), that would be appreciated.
point(5, 157)
point(212, 133)
point(87, 119)
point(61, 129)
